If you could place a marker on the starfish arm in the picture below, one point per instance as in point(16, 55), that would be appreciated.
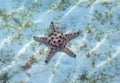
point(69, 52)
point(50, 55)
point(54, 27)
point(71, 36)
point(41, 39)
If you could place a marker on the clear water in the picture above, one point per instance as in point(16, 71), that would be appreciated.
point(97, 48)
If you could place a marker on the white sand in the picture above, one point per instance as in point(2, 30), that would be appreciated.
point(98, 21)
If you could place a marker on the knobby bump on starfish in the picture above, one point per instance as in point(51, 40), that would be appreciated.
point(57, 41)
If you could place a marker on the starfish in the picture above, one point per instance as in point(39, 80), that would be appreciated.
point(57, 41)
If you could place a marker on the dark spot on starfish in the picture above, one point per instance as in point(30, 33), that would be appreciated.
point(54, 41)
point(51, 44)
point(51, 48)
point(66, 35)
point(48, 41)
point(60, 36)
point(56, 37)
point(59, 40)
point(65, 39)
point(52, 38)
point(56, 46)
point(55, 34)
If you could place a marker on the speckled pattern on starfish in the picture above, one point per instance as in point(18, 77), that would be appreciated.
point(57, 41)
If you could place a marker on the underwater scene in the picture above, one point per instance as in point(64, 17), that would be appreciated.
point(59, 41)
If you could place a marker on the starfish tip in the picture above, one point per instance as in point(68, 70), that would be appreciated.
point(74, 56)
point(46, 61)
point(34, 37)
point(52, 22)
point(78, 32)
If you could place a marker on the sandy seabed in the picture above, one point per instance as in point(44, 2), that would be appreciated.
point(97, 48)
